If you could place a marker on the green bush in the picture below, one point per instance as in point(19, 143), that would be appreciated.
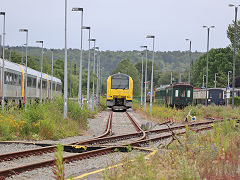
point(236, 101)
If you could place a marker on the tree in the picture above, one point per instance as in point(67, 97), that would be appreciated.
point(220, 61)
point(230, 34)
point(126, 67)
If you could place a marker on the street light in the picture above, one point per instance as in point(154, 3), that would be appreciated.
point(215, 86)
point(81, 55)
point(88, 78)
point(208, 30)
point(142, 81)
point(152, 37)
point(145, 84)
point(228, 77)
point(190, 56)
point(234, 51)
point(93, 40)
point(25, 31)
point(3, 64)
point(65, 98)
point(41, 67)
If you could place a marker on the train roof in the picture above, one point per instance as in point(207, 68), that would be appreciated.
point(17, 67)
point(179, 85)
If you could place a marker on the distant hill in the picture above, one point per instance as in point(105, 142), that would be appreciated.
point(170, 60)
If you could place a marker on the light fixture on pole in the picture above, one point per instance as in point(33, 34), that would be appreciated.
point(190, 60)
point(26, 75)
point(3, 63)
point(152, 37)
point(145, 83)
point(65, 96)
point(215, 81)
point(208, 32)
point(142, 54)
point(234, 51)
point(41, 67)
point(93, 40)
point(81, 55)
point(89, 53)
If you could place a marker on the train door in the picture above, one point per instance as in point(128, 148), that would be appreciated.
point(215, 96)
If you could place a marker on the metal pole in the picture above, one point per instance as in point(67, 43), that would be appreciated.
point(26, 76)
point(70, 84)
point(80, 73)
point(151, 96)
point(65, 67)
point(88, 78)
point(234, 57)
point(97, 90)
point(142, 84)
point(41, 75)
point(190, 55)
point(171, 77)
point(3, 65)
point(52, 79)
point(203, 81)
point(99, 86)
point(206, 99)
point(93, 75)
point(0, 45)
point(145, 88)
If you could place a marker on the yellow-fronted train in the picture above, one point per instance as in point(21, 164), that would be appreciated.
point(119, 91)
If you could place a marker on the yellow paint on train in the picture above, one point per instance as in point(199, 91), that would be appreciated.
point(125, 94)
point(22, 80)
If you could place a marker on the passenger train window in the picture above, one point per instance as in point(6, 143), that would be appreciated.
point(34, 82)
point(176, 93)
point(29, 81)
point(188, 93)
point(20, 80)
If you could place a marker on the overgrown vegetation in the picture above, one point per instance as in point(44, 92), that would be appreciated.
point(160, 113)
point(210, 155)
point(58, 170)
point(44, 121)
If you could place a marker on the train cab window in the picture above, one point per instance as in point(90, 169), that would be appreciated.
point(176, 93)
point(188, 93)
point(53, 86)
point(34, 82)
point(120, 81)
point(14, 79)
point(20, 80)
point(29, 81)
point(44, 84)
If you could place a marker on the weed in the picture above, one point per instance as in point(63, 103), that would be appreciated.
point(58, 171)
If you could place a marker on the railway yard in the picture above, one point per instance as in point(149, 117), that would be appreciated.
point(107, 132)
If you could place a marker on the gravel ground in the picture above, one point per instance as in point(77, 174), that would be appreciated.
point(10, 148)
point(76, 168)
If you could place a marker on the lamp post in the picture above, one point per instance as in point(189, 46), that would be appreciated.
point(10, 54)
point(88, 78)
point(208, 31)
point(52, 78)
point(3, 64)
point(70, 84)
point(145, 83)
point(234, 51)
point(215, 82)
point(142, 81)
point(190, 60)
point(93, 40)
point(41, 67)
point(81, 54)
point(171, 77)
point(22, 56)
point(203, 81)
point(152, 37)
point(97, 90)
point(228, 88)
point(65, 110)
point(26, 31)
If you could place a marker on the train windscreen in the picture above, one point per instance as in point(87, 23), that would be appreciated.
point(120, 82)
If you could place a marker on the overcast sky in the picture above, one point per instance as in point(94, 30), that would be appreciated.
point(120, 24)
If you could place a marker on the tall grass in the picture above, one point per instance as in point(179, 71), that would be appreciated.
point(210, 155)
point(44, 121)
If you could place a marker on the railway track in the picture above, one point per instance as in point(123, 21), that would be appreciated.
point(102, 139)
